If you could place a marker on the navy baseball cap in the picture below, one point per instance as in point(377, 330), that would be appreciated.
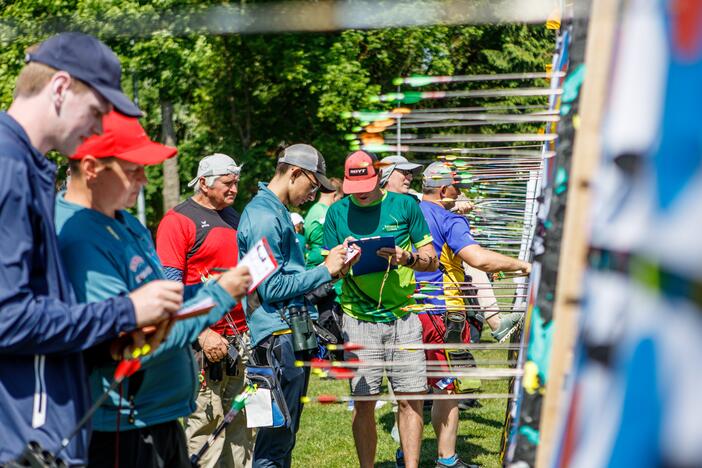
point(86, 58)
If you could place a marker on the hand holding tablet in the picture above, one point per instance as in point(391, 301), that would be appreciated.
point(370, 261)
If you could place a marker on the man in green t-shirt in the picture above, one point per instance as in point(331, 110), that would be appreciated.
point(374, 304)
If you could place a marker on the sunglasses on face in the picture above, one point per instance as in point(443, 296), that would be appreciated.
point(313, 181)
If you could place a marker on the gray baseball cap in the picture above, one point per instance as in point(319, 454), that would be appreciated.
point(437, 175)
point(217, 164)
point(307, 157)
point(390, 163)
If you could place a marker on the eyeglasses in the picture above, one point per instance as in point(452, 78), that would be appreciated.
point(315, 184)
point(405, 172)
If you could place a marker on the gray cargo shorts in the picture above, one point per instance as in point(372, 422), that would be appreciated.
point(406, 368)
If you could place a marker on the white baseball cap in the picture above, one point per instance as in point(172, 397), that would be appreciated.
point(296, 218)
point(390, 163)
point(217, 164)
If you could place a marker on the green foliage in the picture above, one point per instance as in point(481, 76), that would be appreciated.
point(246, 95)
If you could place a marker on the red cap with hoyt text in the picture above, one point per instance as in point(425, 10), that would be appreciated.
point(360, 175)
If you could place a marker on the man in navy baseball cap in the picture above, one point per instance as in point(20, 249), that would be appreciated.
point(89, 60)
point(68, 84)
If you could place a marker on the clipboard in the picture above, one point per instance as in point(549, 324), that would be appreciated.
point(370, 262)
point(260, 261)
point(201, 307)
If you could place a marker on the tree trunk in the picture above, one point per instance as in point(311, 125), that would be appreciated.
point(171, 180)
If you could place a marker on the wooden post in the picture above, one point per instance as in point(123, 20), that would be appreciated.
point(171, 180)
point(585, 160)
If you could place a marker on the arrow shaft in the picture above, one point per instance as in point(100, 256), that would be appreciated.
point(430, 396)
point(467, 78)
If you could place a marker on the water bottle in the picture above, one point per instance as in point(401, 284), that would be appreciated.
point(455, 324)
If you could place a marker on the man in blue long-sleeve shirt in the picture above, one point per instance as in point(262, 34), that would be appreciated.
point(70, 81)
point(301, 171)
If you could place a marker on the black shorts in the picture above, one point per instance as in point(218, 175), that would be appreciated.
point(159, 446)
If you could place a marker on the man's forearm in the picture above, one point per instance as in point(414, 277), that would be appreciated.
point(422, 261)
point(504, 263)
point(282, 287)
point(491, 262)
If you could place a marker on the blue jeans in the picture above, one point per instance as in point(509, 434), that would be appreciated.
point(274, 446)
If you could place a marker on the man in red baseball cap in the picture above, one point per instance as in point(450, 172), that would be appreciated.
point(107, 252)
point(120, 153)
point(375, 304)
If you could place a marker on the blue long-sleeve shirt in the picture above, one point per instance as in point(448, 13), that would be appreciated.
point(106, 257)
point(43, 382)
point(266, 216)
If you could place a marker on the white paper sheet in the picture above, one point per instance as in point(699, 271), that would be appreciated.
point(260, 262)
point(259, 409)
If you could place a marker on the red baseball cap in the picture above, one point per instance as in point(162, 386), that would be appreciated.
point(124, 138)
point(360, 175)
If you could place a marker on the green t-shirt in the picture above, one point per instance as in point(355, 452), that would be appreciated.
point(314, 238)
point(394, 215)
point(314, 234)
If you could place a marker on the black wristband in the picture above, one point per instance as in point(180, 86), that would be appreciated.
point(412, 260)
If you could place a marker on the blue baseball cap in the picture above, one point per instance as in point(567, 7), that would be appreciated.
point(89, 60)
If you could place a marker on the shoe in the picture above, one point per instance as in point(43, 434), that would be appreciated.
point(399, 459)
point(468, 404)
point(459, 464)
point(508, 323)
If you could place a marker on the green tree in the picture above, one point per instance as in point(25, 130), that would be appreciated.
point(246, 95)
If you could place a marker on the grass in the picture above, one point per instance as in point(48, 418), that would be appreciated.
point(325, 439)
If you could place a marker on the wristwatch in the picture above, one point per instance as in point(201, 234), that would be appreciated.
point(411, 260)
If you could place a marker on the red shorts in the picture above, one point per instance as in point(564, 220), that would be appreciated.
point(433, 330)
